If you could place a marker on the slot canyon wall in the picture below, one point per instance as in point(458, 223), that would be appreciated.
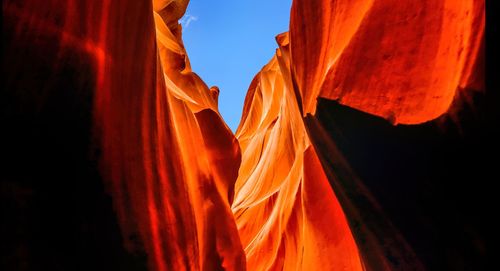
point(364, 144)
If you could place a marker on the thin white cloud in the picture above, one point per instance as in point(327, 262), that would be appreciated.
point(186, 20)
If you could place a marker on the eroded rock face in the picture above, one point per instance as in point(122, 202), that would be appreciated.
point(403, 61)
point(287, 215)
point(286, 192)
point(406, 62)
point(165, 155)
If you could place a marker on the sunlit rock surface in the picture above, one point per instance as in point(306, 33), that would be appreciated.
point(120, 160)
point(401, 60)
point(182, 183)
point(287, 215)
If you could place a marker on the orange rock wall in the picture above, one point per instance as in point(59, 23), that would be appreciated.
point(400, 60)
point(193, 196)
point(287, 215)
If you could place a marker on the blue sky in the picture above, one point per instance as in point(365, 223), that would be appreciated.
point(229, 41)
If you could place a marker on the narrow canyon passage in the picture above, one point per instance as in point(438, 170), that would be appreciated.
point(360, 146)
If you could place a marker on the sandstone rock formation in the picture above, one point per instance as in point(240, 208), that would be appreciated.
point(102, 101)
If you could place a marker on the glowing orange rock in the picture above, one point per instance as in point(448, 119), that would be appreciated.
point(172, 160)
point(287, 215)
point(401, 60)
point(173, 166)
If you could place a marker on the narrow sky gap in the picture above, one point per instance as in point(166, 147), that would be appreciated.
point(228, 42)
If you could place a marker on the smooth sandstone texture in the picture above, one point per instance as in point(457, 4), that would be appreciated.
point(165, 155)
point(187, 158)
point(400, 60)
point(287, 215)
point(278, 195)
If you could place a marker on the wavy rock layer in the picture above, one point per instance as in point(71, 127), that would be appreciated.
point(167, 158)
point(287, 215)
point(111, 81)
point(179, 183)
